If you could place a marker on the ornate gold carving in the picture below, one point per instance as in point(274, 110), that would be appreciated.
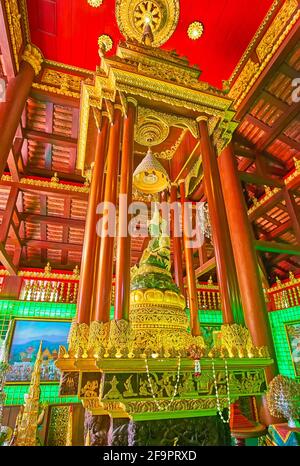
point(195, 30)
point(49, 184)
point(249, 71)
point(33, 56)
point(236, 342)
point(113, 393)
point(150, 131)
point(254, 41)
point(98, 337)
point(64, 81)
point(15, 29)
point(78, 339)
point(268, 42)
point(177, 405)
point(58, 426)
point(285, 20)
point(257, 203)
point(170, 119)
point(295, 172)
point(161, 15)
point(56, 90)
point(168, 154)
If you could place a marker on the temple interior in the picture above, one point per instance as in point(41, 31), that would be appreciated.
point(150, 223)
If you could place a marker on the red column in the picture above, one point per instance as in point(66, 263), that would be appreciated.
point(11, 110)
point(85, 292)
point(227, 278)
point(103, 283)
point(252, 295)
point(124, 239)
point(190, 273)
point(177, 247)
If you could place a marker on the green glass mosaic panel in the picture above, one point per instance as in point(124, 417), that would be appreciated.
point(278, 319)
point(49, 394)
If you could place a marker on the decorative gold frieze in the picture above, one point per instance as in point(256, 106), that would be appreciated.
point(271, 37)
point(284, 21)
point(15, 28)
point(49, 184)
point(64, 81)
point(257, 203)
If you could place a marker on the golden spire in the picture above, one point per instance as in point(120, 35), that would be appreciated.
point(27, 430)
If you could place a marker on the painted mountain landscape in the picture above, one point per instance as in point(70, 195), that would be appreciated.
point(25, 344)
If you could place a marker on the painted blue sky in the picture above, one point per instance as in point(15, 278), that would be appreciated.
point(28, 330)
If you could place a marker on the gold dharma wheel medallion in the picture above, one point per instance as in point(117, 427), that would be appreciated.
point(161, 15)
point(148, 12)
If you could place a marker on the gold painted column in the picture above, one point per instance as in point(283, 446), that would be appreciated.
point(17, 92)
point(103, 283)
point(85, 292)
point(227, 278)
point(122, 289)
point(177, 246)
point(190, 272)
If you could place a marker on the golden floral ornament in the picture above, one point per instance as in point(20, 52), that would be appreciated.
point(161, 15)
point(195, 30)
point(105, 43)
point(95, 3)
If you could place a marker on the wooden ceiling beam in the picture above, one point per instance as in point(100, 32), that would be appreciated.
point(280, 248)
point(6, 260)
point(266, 206)
point(55, 191)
point(280, 230)
point(282, 123)
point(51, 245)
point(47, 219)
point(209, 266)
point(254, 178)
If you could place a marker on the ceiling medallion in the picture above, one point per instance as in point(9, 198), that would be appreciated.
point(95, 3)
point(161, 15)
point(151, 132)
point(195, 30)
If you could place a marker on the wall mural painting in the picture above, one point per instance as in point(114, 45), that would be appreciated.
point(25, 342)
point(293, 335)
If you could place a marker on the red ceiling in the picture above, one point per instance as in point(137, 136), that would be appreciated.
point(67, 31)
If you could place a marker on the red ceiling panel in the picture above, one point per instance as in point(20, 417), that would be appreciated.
point(67, 31)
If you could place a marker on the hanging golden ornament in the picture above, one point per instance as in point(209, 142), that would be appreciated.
point(150, 176)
